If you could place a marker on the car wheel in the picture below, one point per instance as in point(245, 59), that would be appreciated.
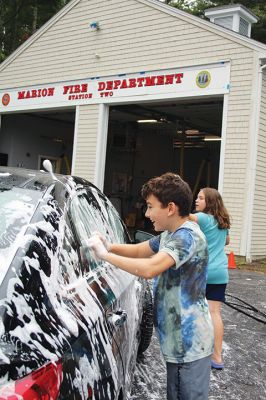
point(146, 326)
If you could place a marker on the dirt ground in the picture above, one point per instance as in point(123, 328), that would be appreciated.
point(256, 265)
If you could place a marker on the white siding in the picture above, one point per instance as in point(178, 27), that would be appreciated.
point(258, 241)
point(135, 37)
point(227, 22)
point(132, 37)
point(86, 141)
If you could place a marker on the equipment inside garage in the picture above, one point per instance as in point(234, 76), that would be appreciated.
point(182, 136)
point(28, 138)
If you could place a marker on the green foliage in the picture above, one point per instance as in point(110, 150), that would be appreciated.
point(19, 19)
point(197, 7)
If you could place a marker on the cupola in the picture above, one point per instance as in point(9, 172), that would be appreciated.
point(233, 16)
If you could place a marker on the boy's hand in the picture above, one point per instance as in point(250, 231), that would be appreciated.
point(96, 244)
point(106, 244)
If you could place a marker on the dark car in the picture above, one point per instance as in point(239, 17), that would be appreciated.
point(70, 325)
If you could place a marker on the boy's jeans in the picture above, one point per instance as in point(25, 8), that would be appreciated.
point(189, 381)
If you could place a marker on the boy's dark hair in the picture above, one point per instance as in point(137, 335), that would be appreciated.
point(168, 188)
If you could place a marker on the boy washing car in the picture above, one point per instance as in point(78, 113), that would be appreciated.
point(177, 259)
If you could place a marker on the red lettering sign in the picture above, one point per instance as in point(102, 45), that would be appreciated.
point(72, 89)
point(33, 93)
point(126, 83)
point(107, 87)
point(101, 86)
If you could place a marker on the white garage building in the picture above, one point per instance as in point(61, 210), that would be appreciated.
point(121, 91)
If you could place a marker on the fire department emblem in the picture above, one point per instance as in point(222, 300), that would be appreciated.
point(203, 79)
point(5, 99)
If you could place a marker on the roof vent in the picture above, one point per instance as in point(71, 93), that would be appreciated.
point(233, 16)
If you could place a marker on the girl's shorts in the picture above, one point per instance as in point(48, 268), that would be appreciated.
point(215, 292)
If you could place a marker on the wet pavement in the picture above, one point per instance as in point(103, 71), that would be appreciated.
point(244, 348)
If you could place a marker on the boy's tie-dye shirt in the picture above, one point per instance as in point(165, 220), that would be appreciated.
point(182, 317)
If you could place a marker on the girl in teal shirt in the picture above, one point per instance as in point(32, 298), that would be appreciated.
point(214, 221)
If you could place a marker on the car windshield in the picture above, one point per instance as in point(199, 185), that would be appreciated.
point(16, 209)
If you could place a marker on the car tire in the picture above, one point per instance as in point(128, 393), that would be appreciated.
point(146, 326)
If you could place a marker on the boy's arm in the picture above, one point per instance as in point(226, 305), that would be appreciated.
point(139, 250)
point(193, 217)
point(144, 267)
point(227, 240)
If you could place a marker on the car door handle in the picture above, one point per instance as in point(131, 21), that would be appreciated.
point(117, 318)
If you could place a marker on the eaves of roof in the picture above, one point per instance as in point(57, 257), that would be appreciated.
point(243, 40)
point(219, 30)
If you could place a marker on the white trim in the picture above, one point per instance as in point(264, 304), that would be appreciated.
point(236, 21)
point(192, 65)
point(171, 82)
point(101, 145)
point(223, 143)
point(119, 100)
point(254, 133)
point(231, 11)
point(74, 152)
point(249, 29)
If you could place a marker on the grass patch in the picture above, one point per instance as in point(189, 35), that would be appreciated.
point(256, 265)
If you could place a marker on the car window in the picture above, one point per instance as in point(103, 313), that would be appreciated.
point(17, 206)
point(70, 267)
point(16, 209)
point(84, 216)
point(90, 211)
point(119, 233)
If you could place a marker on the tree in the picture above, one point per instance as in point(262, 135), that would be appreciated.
point(19, 19)
point(197, 7)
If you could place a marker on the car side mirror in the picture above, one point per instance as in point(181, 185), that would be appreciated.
point(142, 236)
